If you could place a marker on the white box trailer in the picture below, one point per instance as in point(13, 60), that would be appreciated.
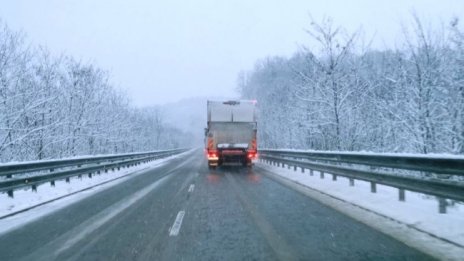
point(231, 132)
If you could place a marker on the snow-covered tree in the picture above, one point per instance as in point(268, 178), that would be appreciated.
point(338, 95)
point(53, 107)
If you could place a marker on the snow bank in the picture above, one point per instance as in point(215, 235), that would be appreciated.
point(369, 153)
point(25, 199)
point(418, 211)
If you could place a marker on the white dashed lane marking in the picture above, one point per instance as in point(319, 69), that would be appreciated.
point(177, 224)
point(191, 188)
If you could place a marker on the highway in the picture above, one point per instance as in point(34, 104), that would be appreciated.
point(184, 211)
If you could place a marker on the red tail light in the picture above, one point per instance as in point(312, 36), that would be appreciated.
point(252, 155)
point(212, 155)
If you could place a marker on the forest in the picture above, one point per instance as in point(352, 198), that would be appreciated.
point(56, 107)
point(343, 95)
point(337, 94)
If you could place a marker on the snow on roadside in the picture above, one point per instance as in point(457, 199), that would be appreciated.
point(26, 198)
point(369, 153)
point(419, 211)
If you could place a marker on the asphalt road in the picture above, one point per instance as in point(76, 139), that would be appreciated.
point(184, 211)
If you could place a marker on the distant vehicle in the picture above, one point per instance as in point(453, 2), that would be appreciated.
point(231, 133)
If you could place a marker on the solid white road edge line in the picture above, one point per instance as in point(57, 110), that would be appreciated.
point(94, 223)
point(177, 224)
point(24, 216)
point(191, 188)
point(421, 241)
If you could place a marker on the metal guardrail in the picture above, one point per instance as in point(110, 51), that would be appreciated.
point(372, 168)
point(15, 176)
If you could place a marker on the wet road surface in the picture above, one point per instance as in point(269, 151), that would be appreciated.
point(185, 211)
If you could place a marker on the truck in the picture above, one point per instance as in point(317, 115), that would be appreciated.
point(231, 132)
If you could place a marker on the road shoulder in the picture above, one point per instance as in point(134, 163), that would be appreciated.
point(412, 237)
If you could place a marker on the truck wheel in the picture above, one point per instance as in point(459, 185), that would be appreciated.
point(249, 164)
point(244, 163)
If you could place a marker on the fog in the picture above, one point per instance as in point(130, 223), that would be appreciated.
point(165, 51)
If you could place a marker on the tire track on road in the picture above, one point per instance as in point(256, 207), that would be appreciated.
point(282, 250)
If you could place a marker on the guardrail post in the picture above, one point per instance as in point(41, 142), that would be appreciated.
point(321, 174)
point(351, 182)
point(302, 170)
point(34, 187)
point(52, 183)
point(288, 165)
point(373, 187)
point(311, 172)
point(402, 196)
point(67, 179)
point(334, 177)
point(90, 175)
point(442, 204)
point(10, 193)
point(294, 168)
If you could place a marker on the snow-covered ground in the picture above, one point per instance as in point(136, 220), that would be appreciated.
point(370, 153)
point(418, 211)
point(67, 193)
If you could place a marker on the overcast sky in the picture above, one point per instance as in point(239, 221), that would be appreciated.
point(164, 51)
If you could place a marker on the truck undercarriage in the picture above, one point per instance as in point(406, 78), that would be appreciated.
point(230, 157)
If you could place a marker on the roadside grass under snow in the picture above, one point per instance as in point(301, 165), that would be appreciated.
point(419, 211)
